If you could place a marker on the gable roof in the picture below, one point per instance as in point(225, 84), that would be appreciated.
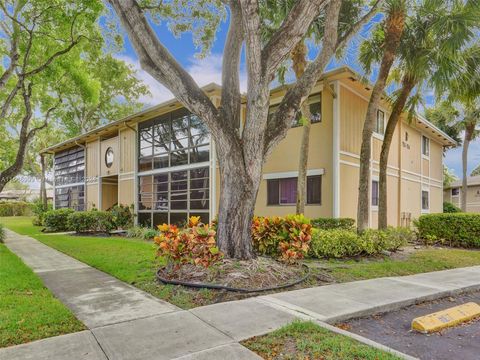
point(343, 72)
point(471, 181)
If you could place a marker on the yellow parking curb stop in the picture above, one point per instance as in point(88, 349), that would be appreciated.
point(446, 318)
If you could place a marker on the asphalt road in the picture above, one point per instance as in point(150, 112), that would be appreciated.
point(393, 330)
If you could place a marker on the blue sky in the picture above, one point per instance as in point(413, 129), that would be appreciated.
point(209, 69)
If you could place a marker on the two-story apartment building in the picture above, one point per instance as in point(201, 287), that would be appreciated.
point(452, 193)
point(163, 161)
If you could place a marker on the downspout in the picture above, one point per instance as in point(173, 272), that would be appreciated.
point(53, 197)
point(135, 171)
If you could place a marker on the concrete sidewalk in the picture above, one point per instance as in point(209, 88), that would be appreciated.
point(126, 323)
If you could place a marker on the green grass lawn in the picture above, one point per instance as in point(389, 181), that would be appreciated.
point(134, 262)
point(129, 260)
point(28, 310)
point(306, 340)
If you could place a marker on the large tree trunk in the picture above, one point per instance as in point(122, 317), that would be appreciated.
point(469, 129)
point(241, 154)
point(25, 136)
point(394, 29)
point(237, 204)
point(299, 60)
point(43, 187)
point(408, 85)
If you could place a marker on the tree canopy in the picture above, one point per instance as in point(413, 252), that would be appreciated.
point(55, 74)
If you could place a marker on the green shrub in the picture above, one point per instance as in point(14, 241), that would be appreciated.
point(91, 221)
point(56, 220)
point(2, 234)
point(143, 233)
point(334, 223)
point(376, 241)
point(149, 234)
point(448, 207)
point(39, 209)
point(457, 229)
point(287, 238)
point(81, 221)
point(15, 208)
point(340, 243)
point(122, 216)
point(335, 243)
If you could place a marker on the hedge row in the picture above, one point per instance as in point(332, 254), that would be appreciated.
point(340, 243)
point(333, 223)
point(119, 217)
point(15, 208)
point(2, 233)
point(452, 229)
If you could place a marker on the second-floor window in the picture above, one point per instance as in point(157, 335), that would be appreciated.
point(455, 191)
point(375, 192)
point(425, 145)
point(380, 123)
point(284, 191)
point(425, 200)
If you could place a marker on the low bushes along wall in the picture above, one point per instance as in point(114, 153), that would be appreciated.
point(339, 243)
point(91, 221)
point(452, 229)
point(333, 223)
point(15, 208)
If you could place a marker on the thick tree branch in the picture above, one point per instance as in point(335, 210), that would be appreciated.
point(10, 172)
point(231, 97)
point(291, 31)
point(343, 40)
point(279, 124)
point(158, 62)
point(73, 43)
point(10, 97)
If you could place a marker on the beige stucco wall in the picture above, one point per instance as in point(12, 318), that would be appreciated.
point(126, 192)
point(127, 151)
point(404, 187)
point(473, 198)
point(284, 158)
point(92, 196)
point(109, 195)
point(92, 159)
point(104, 145)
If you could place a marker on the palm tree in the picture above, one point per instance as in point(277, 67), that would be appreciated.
point(384, 43)
point(464, 117)
point(351, 17)
point(430, 54)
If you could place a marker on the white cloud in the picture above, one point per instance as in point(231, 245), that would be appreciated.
point(203, 71)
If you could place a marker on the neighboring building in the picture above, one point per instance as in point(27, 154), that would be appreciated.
point(163, 161)
point(28, 195)
point(452, 193)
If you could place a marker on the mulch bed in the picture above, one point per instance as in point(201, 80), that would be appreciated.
point(252, 274)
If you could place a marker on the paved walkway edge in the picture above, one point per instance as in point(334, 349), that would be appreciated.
point(123, 320)
point(364, 340)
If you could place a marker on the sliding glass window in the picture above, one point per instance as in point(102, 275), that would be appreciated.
point(174, 175)
point(69, 170)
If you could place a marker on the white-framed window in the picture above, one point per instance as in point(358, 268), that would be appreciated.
point(283, 191)
point(375, 193)
point(425, 200)
point(380, 122)
point(455, 191)
point(425, 146)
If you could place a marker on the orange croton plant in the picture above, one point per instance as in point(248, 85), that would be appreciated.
point(193, 245)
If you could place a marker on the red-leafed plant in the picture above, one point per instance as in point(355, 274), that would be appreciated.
point(287, 238)
point(192, 245)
